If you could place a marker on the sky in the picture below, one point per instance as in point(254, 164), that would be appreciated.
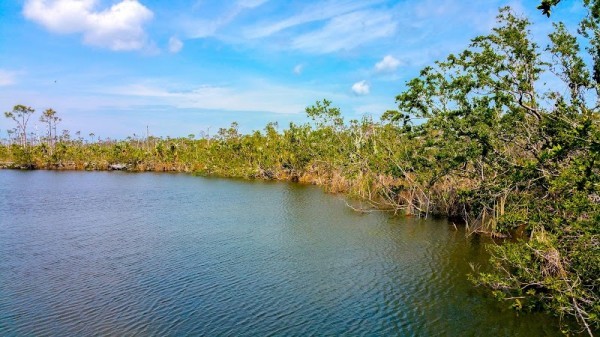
point(119, 68)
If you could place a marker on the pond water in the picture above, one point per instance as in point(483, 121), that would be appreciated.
point(99, 253)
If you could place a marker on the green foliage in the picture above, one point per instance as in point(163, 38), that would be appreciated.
point(531, 159)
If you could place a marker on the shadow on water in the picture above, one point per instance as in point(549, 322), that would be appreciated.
point(172, 254)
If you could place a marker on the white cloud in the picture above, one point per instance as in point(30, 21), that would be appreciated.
point(298, 69)
point(119, 27)
point(175, 45)
point(387, 64)
point(361, 88)
point(346, 32)
point(6, 78)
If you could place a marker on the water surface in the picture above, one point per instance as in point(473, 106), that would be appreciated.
point(173, 255)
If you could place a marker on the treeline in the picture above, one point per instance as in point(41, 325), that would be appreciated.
point(476, 138)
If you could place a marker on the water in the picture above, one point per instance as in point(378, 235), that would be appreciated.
point(173, 255)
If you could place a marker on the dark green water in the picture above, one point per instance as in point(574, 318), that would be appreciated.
point(174, 255)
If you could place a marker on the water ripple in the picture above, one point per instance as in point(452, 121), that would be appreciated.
point(172, 255)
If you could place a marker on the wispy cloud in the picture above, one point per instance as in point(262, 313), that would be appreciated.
point(332, 26)
point(311, 13)
point(175, 45)
point(203, 26)
point(321, 27)
point(298, 69)
point(119, 27)
point(347, 32)
point(256, 96)
point(6, 78)
point(251, 3)
point(431, 29)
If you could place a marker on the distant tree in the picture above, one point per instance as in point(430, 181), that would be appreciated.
point(325, 115)
point(21, 114)
point(65, 136)
point(50, 119)
point(10, 134)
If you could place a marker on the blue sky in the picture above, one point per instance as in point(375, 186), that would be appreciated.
point(113, 67)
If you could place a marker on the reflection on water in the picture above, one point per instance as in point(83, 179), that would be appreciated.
point(159, 254)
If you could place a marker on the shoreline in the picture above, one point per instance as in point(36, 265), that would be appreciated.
point(325, 182)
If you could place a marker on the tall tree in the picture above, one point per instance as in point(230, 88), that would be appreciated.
point(522, 149)
point(21, 114)
point(50, 119)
